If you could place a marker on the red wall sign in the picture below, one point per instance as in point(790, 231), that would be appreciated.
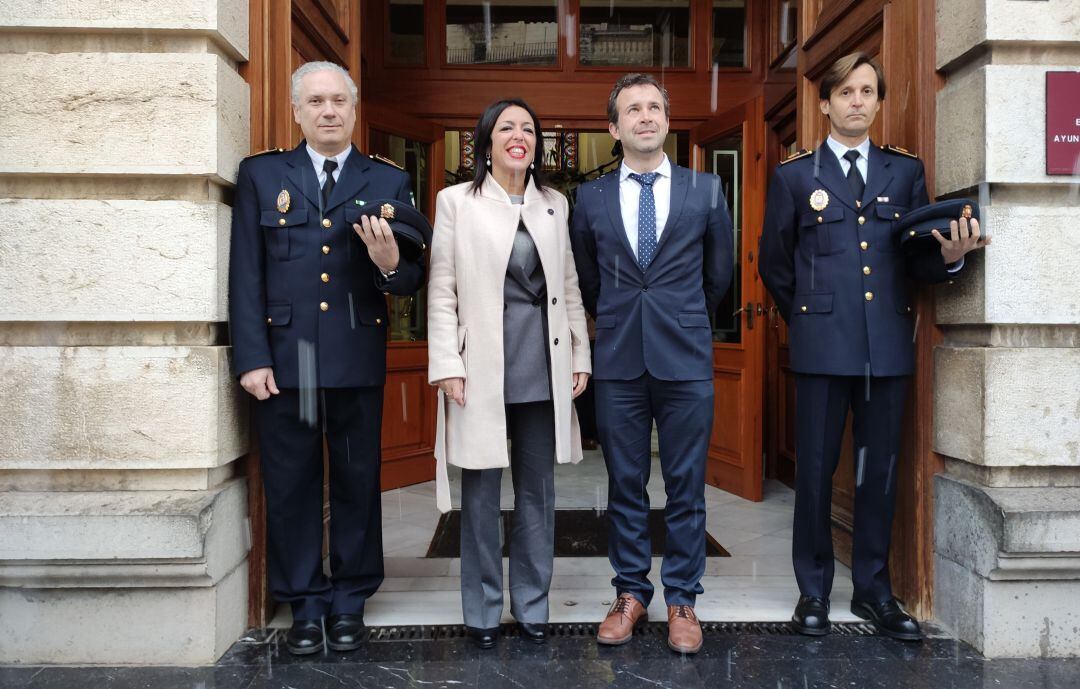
point(1063, 123)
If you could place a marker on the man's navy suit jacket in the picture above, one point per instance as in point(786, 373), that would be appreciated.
point(656, 319)
point(838, 275)
point(284, 264)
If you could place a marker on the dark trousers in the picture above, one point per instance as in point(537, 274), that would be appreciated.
point(683, 412)
point(532, 534)
point(291, 454)
point(877, 406)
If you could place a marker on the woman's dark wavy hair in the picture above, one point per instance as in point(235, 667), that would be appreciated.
point(482, 140)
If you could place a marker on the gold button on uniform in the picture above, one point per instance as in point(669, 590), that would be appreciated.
point(866, 270)
point(911, 233)
point(864, 246)
point(803, 309)
point(378, 321)
point(324, 306)
point(896, 215)
point(325, 249)
point(281, 221)
point(269, 321)
point(820, 219)
point(325, 277)
point(862, 220)
point(326, 222)
point(869, 296)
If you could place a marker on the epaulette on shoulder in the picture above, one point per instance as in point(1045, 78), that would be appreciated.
point(899, 151)
point(797, 155)
point(385, 161)
point(267, 151)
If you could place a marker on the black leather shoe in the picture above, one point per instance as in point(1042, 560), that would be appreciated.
point(483, 638)
point(344, 632)
point(536, 633)
point(888, 618)
point(811, 616)
point(304, 638)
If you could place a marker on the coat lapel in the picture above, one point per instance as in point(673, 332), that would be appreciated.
point(302, 173)
point(827, 170)
point(609, 190)
point(351, 180)
point(679, 184)
point(878, 175)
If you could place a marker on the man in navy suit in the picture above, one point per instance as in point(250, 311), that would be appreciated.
point(831, 259)
point(307, 316)
point(653, 245)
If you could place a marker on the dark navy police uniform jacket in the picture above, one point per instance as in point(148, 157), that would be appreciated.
point(304, 297)
point(837, 272)
point(656, 320)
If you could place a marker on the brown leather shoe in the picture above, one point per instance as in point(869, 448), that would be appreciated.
point(625, 614)
point(684, 631)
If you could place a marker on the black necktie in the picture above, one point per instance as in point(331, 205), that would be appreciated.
point(854, 177)
point(328, 166)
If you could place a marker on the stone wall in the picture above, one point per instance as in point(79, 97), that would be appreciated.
point(125, 534)
point(1007, 377)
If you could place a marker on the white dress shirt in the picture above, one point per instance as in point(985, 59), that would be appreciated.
point(630, 197)
point(317, 160)
point(840, 149)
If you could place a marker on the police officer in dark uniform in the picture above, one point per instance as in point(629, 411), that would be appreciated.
point(831, 259)
point(307, 315)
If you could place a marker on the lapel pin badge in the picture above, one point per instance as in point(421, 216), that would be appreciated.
point(819, 199)
point(283, 201)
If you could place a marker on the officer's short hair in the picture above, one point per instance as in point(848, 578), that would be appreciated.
point(310, 67)
point(635, 79)
point(843, 67)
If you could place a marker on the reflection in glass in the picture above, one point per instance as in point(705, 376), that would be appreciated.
point(406, 19)
point(408, 319)
point(508, 32)
point(729, 33)
point(642, 33)
point(723, 157)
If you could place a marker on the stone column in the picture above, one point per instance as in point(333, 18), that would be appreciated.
point(123, 528)
point(1007, 377)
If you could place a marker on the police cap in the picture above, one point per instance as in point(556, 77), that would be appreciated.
point(410, 227)
point(916, 227)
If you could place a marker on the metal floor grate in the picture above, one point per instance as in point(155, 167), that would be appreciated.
point(583, 630)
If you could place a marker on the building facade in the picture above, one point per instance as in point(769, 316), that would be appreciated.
point(129, 494)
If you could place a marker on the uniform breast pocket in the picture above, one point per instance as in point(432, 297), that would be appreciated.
point(888, 215)
point(823, 231)
point(280, 228)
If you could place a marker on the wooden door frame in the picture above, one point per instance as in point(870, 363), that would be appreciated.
point(748, 119)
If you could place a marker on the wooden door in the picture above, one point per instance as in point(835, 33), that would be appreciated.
point(730, 146)
point(284, 35)
point(408, 427)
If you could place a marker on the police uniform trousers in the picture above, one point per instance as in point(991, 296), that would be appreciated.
point(683, 411)
point(291, 455)
point(822, 404)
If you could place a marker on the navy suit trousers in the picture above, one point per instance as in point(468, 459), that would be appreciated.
point(291, 455)
point(683, 411)
point(877, 406)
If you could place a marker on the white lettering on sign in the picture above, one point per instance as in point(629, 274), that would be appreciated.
point(1067, 138)
point(1078, 121)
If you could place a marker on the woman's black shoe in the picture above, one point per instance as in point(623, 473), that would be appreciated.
point(536, 633)
point(304, 637)
point(483, 638)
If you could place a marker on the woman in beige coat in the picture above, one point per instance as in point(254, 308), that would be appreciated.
point(508, 349)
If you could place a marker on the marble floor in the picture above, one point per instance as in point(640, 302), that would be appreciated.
point(755, 584)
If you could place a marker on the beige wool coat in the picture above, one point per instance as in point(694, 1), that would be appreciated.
point(470, 250)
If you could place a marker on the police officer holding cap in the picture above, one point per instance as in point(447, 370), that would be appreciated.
point(308, 276)
point(831, 258)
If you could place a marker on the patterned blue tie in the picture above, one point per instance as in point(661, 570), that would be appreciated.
point(646, 218)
